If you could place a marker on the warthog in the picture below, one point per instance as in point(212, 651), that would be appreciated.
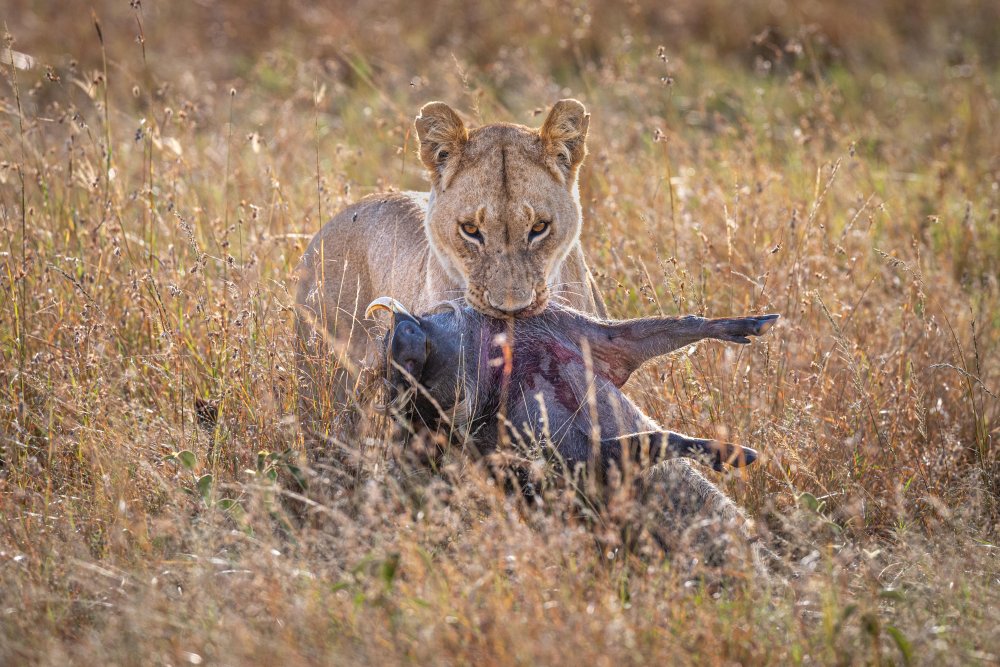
point(555, 380)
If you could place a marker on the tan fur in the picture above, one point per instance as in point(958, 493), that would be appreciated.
point(501, 177)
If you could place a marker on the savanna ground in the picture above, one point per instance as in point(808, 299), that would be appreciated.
point(164, 164)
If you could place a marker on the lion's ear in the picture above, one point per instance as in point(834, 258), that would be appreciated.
point(442, 136)
point(564, 137)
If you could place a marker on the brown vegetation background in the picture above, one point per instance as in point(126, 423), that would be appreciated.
point(164, 163)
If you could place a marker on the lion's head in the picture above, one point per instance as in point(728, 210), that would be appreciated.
point(504, 208)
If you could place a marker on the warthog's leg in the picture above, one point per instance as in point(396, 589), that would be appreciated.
point(619, 348)
point(692, 519)
point(653, 446)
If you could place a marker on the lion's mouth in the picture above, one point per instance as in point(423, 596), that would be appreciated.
point(482, 305)
point(536, 308)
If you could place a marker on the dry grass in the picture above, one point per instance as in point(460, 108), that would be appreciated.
point(155, 194)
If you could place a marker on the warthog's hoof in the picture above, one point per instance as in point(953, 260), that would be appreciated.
point(738, 330)
point(729, 454)
point(764, 322)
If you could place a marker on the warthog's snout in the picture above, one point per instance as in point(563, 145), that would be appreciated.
point(408, 347)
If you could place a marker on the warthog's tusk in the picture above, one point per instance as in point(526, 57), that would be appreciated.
point(385, 303)
point(386, 409)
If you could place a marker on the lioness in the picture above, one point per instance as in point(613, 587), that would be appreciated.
point(500, 226)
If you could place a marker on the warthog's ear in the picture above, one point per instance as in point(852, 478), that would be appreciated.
point(442, 136)
point(564, 136)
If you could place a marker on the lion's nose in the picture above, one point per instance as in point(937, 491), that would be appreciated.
point(513, 301)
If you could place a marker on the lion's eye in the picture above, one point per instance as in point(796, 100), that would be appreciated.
point(539, 228)
point(471, 230)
